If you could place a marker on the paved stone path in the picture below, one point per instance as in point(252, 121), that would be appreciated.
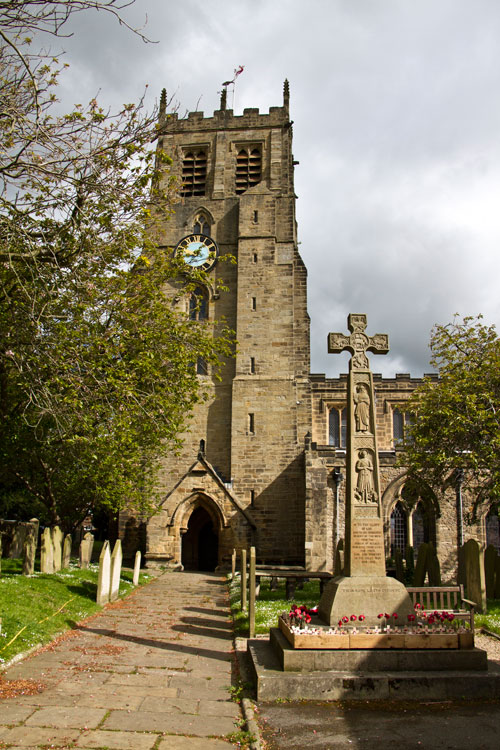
point(152, 671)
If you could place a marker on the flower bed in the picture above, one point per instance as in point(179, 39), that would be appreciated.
point(434, 630)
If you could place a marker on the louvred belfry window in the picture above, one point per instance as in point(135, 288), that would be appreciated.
point(248, 168)
point(194, 173)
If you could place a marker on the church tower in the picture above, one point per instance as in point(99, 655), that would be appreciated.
point(240, 477)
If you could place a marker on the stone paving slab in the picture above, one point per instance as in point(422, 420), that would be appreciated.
point(173, 723)
point(152, 671)
point(191, 743)
point(117, 740)
point(32, 737)
point(66, 716)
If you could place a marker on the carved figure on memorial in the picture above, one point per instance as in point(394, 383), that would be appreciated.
point(360, 361)
point(362, 408)
point(364, 487)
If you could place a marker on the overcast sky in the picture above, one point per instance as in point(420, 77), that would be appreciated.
point(396, 109)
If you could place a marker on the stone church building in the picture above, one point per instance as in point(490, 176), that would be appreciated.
point(263, 461)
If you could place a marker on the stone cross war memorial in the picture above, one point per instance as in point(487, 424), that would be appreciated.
point(364, 587)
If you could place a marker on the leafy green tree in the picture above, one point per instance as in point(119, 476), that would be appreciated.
point(457, 417)
point(96, 363)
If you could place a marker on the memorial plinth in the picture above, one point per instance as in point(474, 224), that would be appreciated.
point(365, 588)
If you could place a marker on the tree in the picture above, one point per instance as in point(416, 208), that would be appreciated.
point(96, 364)
point(456, 424)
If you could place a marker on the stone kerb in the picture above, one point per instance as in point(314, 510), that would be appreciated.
point(66, 555)
point(46, 552)
point(137, 568)
point(104, 580)
point(116, 567)
point(473, 562)
point(57, 541)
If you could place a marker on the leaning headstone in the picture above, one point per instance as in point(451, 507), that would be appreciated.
point(57, 540)
point(421, 566)
point(364, 586)
point(474, 574)
point(86, 546)
point(410, 562)
point(66, 555)
point(490, 559)
point(46, 552)
point(29, 551)
point(137, 568)
point(116, 568)
point(497, 578)
point(400, 568)
point(19, 531)
point(104, 580)
point(433, 566)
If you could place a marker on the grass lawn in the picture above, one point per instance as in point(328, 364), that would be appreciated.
point(491, 620)
point(269, 605)
point(30, 603)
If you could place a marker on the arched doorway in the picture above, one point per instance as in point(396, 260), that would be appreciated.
point(200, 543)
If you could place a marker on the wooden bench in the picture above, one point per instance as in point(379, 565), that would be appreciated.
point(444, 599)
point(292, 576)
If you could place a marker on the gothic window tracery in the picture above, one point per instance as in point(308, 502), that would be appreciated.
point(248, 168)
point(198, 310)
point(399, 533)
point(201, 224)
point(194, 173)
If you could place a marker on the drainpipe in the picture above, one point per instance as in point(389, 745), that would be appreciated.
point(459, 478)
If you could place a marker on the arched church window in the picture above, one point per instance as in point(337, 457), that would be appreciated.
point(198, 310)
point(399, 534)
point(198, 305)
point(337, 427)
point(201, 225)
point(194, 173)
point(493, 527)
point(248, 168)
point(400, 422)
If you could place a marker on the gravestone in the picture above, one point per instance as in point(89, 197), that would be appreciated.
point(433, 566)
point(137, 568)
point(66, 555)
point(410, 562)
point(86, 546)
point(421, 566)
point(57, 540)
point(29, 551)
point(364, 588)
point(104, 580)
point(490, 559)
point(46, 552)
point(474, 574)
point(497, 578)
point(1, 535)
point(400, 568)
point(116, 569)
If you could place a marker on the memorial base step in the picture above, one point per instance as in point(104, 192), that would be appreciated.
point(358, 682)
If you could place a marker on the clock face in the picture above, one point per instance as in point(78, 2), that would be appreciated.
point(198, 251)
